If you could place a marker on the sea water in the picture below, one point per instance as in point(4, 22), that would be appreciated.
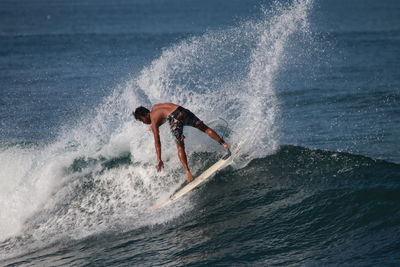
point(310, 89)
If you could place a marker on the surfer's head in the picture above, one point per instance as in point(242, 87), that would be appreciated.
point(142, 114)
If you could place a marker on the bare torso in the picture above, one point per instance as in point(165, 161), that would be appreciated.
point(160, 112)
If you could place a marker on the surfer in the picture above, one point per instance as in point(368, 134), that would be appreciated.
point(177, 117)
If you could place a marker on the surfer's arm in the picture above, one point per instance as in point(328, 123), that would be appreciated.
point(157, 144)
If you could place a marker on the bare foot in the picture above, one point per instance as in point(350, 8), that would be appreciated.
point(189, 177)
point(225, 145)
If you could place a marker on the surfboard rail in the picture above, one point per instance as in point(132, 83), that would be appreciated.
point(197, 181)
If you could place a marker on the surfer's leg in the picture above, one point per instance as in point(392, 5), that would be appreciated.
point(211, 133)
point(182, 157)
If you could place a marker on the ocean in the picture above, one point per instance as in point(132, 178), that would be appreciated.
point(309, 89)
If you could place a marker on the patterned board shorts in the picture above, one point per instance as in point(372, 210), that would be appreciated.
point(179, 118)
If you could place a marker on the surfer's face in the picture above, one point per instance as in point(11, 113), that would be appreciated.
point(145, 119)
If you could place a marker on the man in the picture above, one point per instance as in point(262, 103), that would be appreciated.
point(177, 117)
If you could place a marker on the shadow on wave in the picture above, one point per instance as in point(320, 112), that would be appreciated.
point(298, 206)
point(302, 206)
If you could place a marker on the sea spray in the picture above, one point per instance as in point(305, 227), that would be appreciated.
point(72, 189)
point(15, 164)
point(267, 59)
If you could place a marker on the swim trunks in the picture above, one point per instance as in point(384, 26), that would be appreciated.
point(181, 117)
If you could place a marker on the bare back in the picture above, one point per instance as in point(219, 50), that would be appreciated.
point(160, 112)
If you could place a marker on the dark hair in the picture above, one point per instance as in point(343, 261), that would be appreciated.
point(140, 112)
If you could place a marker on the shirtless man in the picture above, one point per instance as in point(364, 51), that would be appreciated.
point(177, 117)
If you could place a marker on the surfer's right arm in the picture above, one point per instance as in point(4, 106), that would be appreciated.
point(157, 144)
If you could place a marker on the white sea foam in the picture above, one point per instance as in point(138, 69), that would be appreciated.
point(15, 164)
point(66, 188)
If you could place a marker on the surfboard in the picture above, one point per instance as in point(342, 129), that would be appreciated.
point(197, 181)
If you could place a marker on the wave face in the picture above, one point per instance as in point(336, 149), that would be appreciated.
point(99, 175)
point(297, 206)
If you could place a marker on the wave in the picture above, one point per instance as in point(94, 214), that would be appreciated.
point(323, 198)
point(99, 175)
point(304, 206)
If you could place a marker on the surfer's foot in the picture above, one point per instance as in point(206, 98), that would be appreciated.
point(189, 177)
point(225, 145)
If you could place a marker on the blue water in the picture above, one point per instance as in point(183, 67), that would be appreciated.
point(310, 89)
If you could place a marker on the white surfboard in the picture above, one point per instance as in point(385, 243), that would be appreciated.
point(196, 182)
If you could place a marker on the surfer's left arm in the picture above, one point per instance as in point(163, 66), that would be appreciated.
point(157, 144)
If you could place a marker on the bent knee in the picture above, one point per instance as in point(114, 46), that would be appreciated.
point(180, 144)
point(202, 127)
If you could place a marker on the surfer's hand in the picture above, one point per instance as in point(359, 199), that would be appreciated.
point(160, 165)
